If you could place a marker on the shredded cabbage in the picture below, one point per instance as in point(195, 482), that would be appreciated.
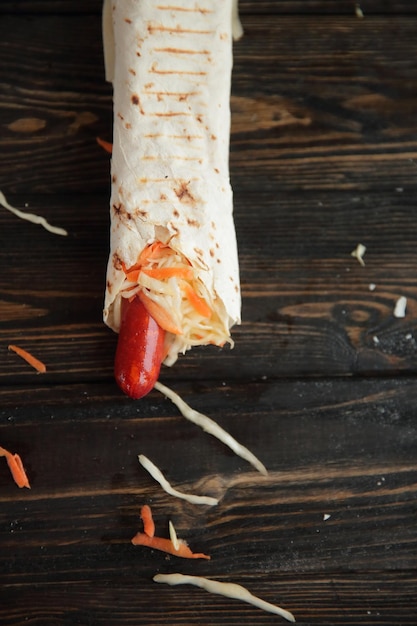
point(170, 294)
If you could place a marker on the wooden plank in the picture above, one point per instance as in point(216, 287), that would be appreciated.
point(55, 101)
point(318, 439)
point(340, 117)
point(320, 7)
point(308, 306)
point(323, 157)
point(349, 599)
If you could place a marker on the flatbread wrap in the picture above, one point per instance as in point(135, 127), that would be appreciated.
point(173, 275)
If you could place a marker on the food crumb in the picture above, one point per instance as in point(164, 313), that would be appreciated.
point(358, 11)
point(358, 253)
point(400, 307)
point(372, 286)
point(326, 516)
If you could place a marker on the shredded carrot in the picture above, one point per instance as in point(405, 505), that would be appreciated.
point(160, 543)
point(198, 303)
point(106, 145)
point(16, 468)
point(159, 314)
point(182, 272)
point(160, 273)
point(147, 519)
point(132, 268)
point(133, 275)
point(152, 251)
point(29, 358)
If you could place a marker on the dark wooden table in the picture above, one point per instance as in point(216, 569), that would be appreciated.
point(321, 384)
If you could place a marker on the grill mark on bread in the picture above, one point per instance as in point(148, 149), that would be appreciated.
point(180, 95)
point(154, 70)
point(186, 137)
point(195, 9)
point(155, 92)
point(170, 114)
point(166, 179)
point(181, 51)
point(177, 30)
point(152, 157)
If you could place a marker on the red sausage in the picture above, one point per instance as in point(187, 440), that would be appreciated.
point(139, 350)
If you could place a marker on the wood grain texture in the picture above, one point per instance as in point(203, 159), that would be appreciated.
point(307, 304)
point(268, 7)
point(341, 118)
point(321, 384)
point(362, 601)
point(74, 527)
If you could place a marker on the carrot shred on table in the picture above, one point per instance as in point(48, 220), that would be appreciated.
point(194, 299)
point(160, 543)
point(106, 145)
point(160, 315)
point(29, 358)
point(166, 545)
point(16, 468)
point(147, 520)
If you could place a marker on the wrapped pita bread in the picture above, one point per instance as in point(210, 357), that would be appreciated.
point(173, 241)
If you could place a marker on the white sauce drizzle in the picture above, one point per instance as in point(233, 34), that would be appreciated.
point(211, 427)
point(31, 217)
point(156, 473)
point(229, 590)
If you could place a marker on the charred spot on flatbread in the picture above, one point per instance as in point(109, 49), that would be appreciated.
point(117, 261)
point(184, 194)
point(141, 214)
point(135, 100)
point(121, 212)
